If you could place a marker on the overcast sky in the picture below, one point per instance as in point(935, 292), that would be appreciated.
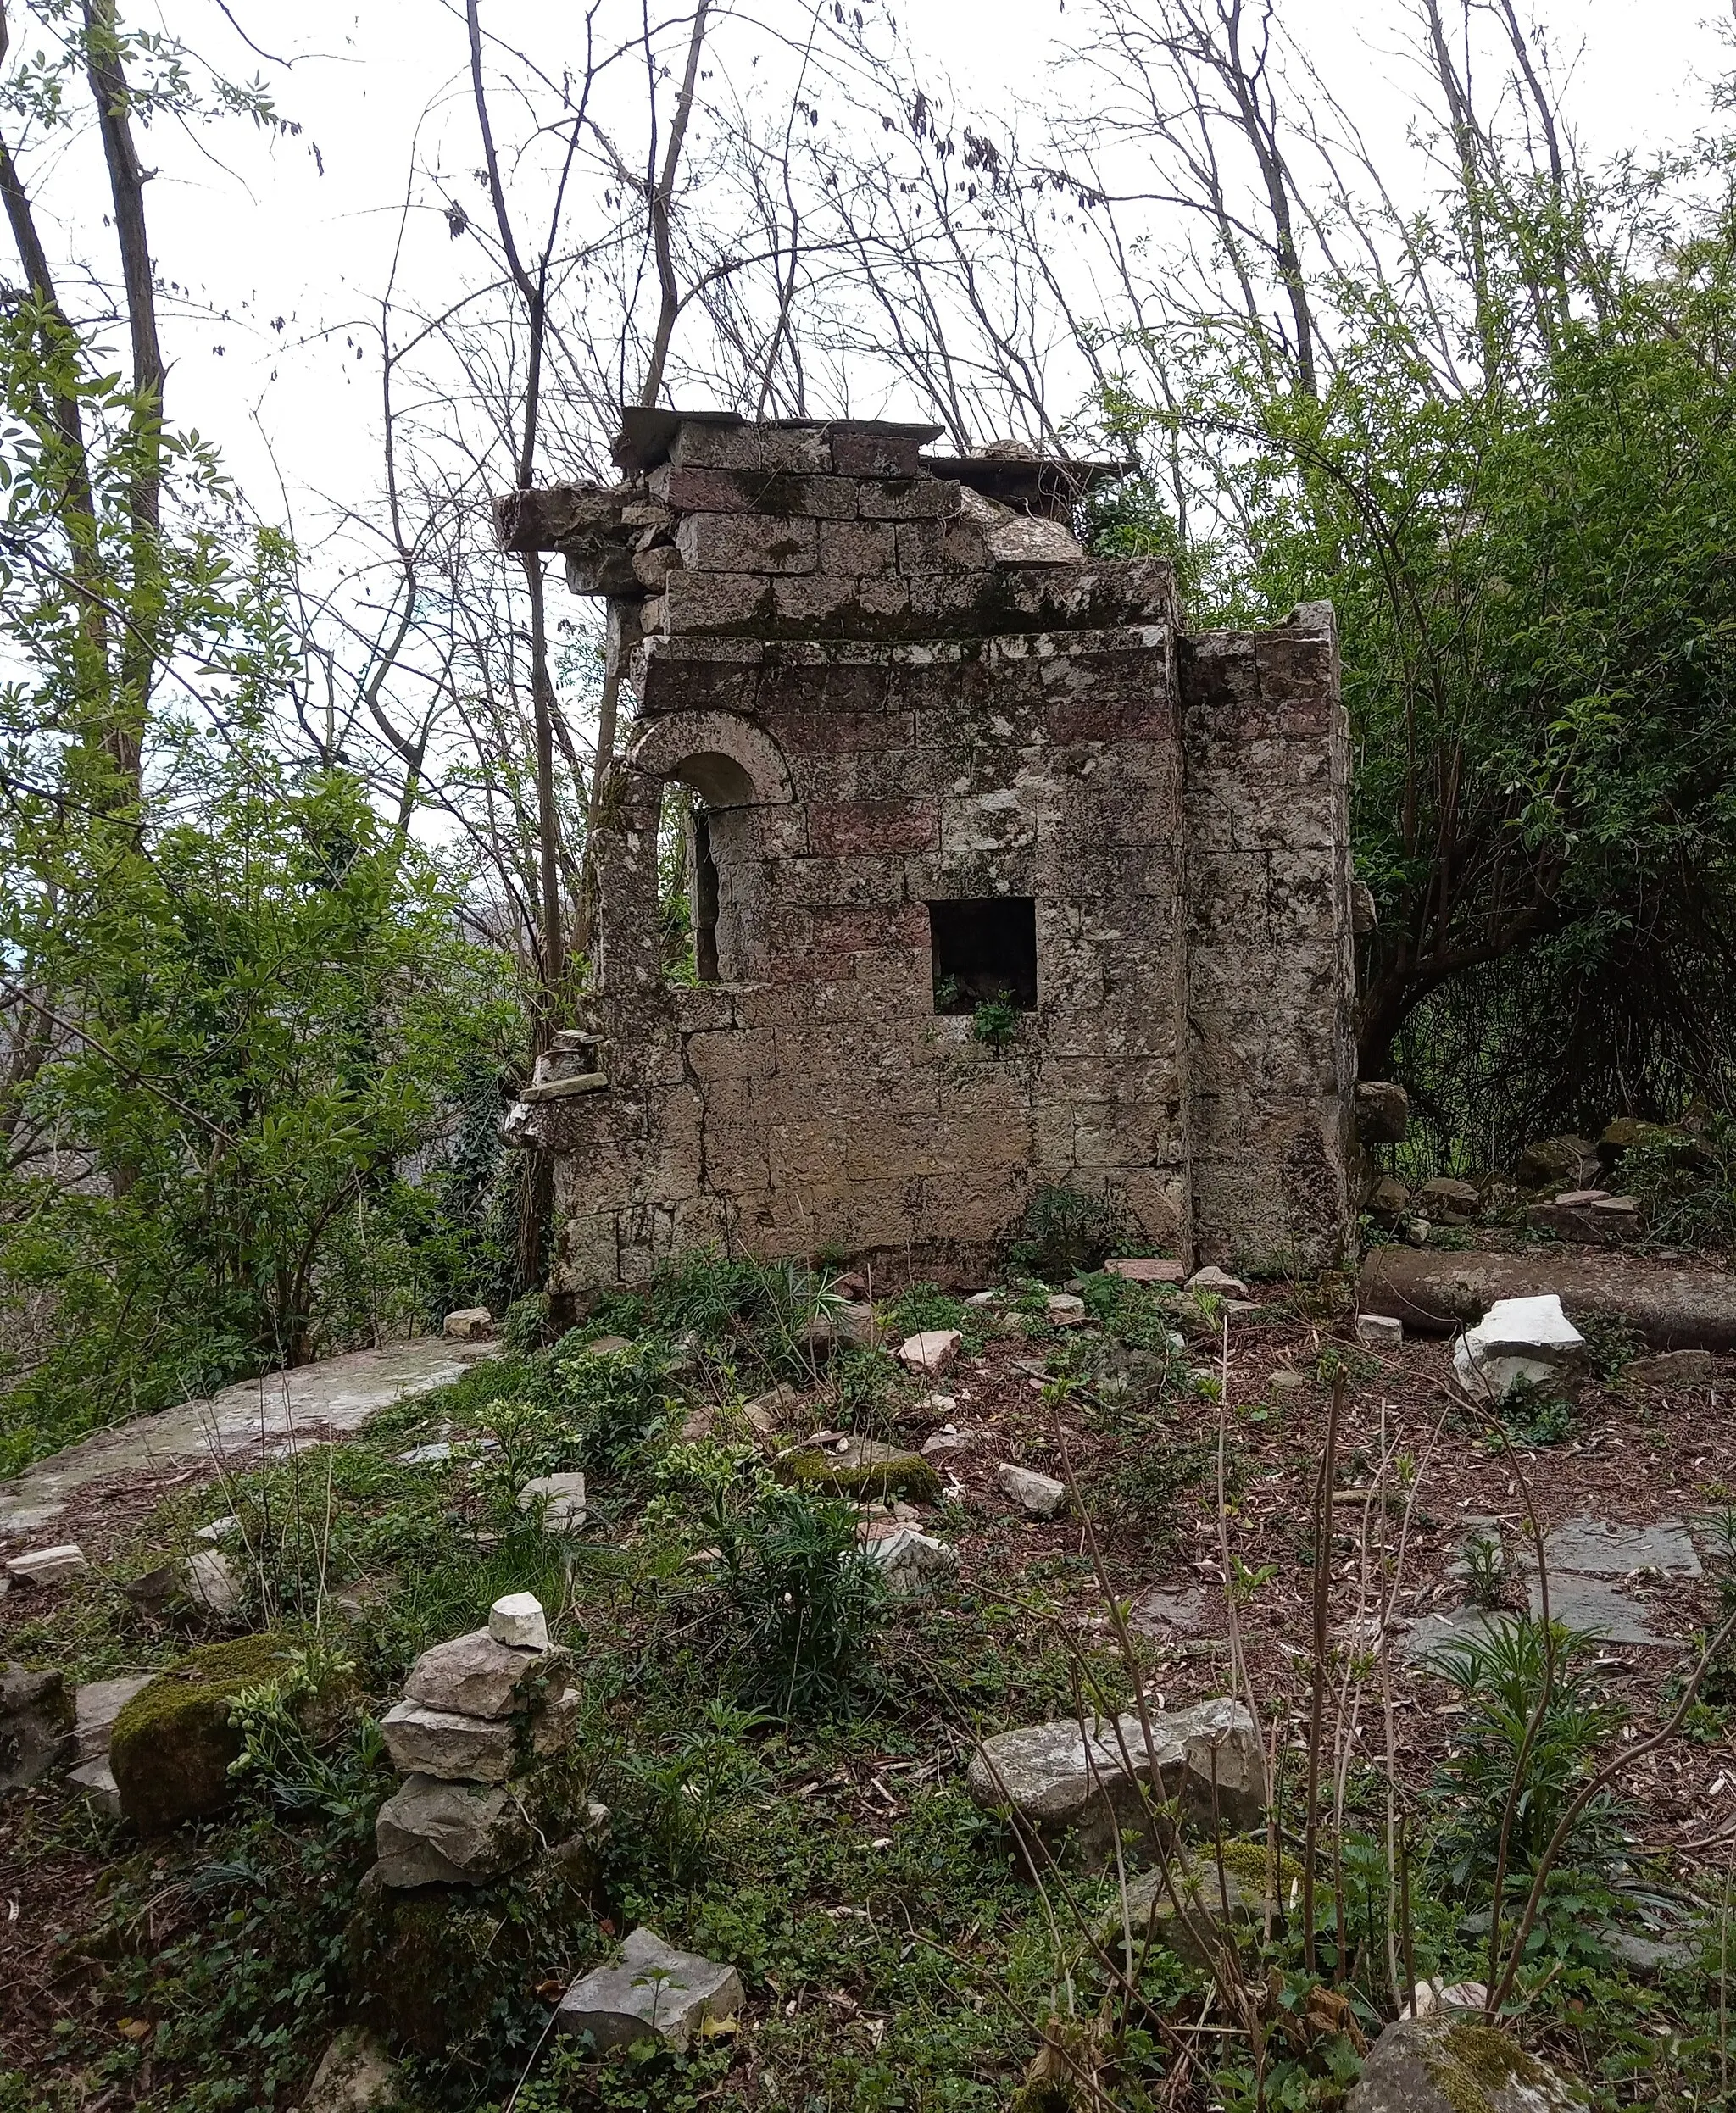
point(304, 228)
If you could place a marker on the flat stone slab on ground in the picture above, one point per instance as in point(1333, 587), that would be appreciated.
point(46, 1565)
point(339, 1394)
point(96, 1778)
point(1600, 1548)
point(559, 1499)
point(655, 1992)
point(96, 1705)
point(1170, 1612)
point(1379, 1332)
point(1147, 1270)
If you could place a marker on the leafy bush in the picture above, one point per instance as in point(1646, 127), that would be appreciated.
point(1064, 1231)
point(807, 1598)
point(1500, 1678)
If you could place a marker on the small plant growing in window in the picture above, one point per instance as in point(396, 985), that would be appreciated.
point(995, 1022)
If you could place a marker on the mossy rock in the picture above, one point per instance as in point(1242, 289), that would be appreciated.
point(1240, 1892)
point(1447, 2063)
point(438, 1964)
point(173, 1743)
point(863, 1470)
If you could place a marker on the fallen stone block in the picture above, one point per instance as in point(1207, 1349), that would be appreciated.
point(518, 1620)
point(930, 1351)
point(1056, 1780)
point(655, 1992)
point(471, 1323)
point(36, 1724)
point(432, 1833)
point(1211, 1278)
point(1383, 1112)
point(1146, 1270)
point(473, 1675)
point(96, 1705)
point(559, 1500)
point(862, 1469)
point(1038, 1496)
point(356, 2075)
point(96, 1778)
point(1203, 1899)
point(1450, 2063)
point(211, 1580)
point(1680, 1369)
point(424, 1741)
point(1672, 1305)
point(1379, 1332)
point(1446, 1201)
point(47, 1565)
point(910, 1560)
point(1065, 1310)
point(1518, 1338)
point(1556, 1163)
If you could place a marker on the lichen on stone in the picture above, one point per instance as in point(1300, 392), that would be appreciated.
point(1470, 2062)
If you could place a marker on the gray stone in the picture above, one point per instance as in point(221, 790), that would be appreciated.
point(519, 1622)
point(1383, 1112)
point(1199, 1901)
point(850, 1320)
point(1556, 1163)
point(1449, 1202)
point(1673, 1368)
point(1057, 1781)
point(95, 1708)
point(46, 1565)
point(1170, 1612)
point(473, 1676)
point(1040, 1496)
point(424, 1741)
point(434, 1833)
point(1147, 1270)
point(862, 1468)
point(1213, 1279)
point(1518, 1338)
point(950, 1441)
point(656, 1992)
point(282, 1412)
point(1450, 2063)
point(96, 1778)
point(471, 1323)
point(36, 1724)
point(1379, 1332)
point(1602, 1549)
point(211, 1582)
point(910, 1560)
point(930, 1351)
point(219, 1529)
point(1598, 1607)
point(1647, 1958)
point(558, 1498)
point(1065, 1310)
point(356, 2075)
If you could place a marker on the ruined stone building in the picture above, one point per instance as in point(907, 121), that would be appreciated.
point(939, 758)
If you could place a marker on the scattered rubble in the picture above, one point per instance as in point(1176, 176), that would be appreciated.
point(930, 1351)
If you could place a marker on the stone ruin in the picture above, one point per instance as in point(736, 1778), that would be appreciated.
point(937, 757)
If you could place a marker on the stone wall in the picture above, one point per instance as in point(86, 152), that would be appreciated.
point(894, 683)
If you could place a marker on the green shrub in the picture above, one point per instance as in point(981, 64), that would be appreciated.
point(1064, 1231)
point(807, 1599)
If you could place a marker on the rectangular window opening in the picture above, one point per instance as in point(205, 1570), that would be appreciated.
point(984, 949)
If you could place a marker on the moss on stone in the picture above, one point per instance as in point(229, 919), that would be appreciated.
point(1469, 2063)
point(867, 1472)
point(173, 1743)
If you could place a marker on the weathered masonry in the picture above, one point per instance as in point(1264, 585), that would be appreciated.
point(938, 757)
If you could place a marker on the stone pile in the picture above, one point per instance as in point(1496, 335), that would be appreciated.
point(477, 1713)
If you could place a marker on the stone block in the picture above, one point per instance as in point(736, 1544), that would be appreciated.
point(910, 499)
point(804, 450)
point(1383, 1112)
point(693, 491)
point(1146, 1270)
point(433, 1832)
point(862, 1469)
point(1379, 1332)
point(656, 1992)
point(855, 548)
point(212, 1582)
point(930, 1351)
point(1518, 1338)
point(716, 601)
point(876, 450)
point(557, 1499)
point(518, 1620)
point(424, 1741)
point(47, 1565)
point(36, 1724)
point(96, 1705)
point(923, 546)
point(1038, 1496)
point(746, 543)
point(473, 1675)
point(471, 1323)
point(96, 1778)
